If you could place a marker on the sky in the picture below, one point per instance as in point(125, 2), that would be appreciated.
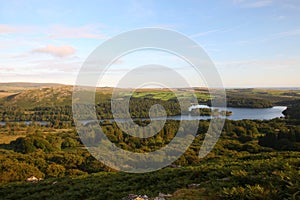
point(253, 43)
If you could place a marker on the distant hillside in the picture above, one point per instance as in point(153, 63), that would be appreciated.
point(15, 87)
point(44, 97)
point(29, 85)
point(30, 95)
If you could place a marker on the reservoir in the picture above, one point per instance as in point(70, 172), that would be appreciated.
point(237, 114)
point(240, 113)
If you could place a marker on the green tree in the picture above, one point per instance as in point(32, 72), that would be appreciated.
point(55, 170)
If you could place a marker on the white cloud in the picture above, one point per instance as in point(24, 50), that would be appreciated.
point(6, 69)
point(140, 9)
point(290, 4)
point(281, 17)
point(58, 51)
point(204, 33)
point(258, 64)
point(281, 35)
point(288, 33)
point(7, 29)
point(87, 31)
point(259, 4)
point(11, 29)
point(253, 4)
point(90, 31)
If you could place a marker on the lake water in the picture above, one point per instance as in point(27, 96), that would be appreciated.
point(241, 113)
point(43, 123)
point(256, 113)
point(237, 114)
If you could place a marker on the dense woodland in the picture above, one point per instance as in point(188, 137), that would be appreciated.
point(58, 115)
point(48, 153)
point(253, 159)
point(293, 111)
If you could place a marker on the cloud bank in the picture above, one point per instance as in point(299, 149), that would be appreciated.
point(57, 51)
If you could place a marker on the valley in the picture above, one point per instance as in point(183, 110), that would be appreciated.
point(253, 159)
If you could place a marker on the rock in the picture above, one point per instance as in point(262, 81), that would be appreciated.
point(225, 179)
point(193, 185)
point(32, 179)
point(130, 197)
point(136, 197)
point(159, 198)
point(174, 166)
point(164, 195)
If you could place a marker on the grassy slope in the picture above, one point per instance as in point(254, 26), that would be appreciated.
point(62, 95)
point(27, 85)
point(256, 171)
point(40, 95)
point(276, 96)
point(17, 87)
point(30, 98)
point(6, 94)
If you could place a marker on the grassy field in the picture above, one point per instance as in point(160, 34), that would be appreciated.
point(6, 94)
point(276, 96)
point(6, 139)
point(8, 135)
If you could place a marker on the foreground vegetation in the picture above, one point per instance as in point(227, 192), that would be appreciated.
point(260, 176)
point(244, 164)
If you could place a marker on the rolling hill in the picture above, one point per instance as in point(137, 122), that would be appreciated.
point(40, 97)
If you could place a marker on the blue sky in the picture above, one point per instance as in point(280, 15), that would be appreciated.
point(253, 43)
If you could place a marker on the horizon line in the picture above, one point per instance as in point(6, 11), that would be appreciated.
point(225, 87)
